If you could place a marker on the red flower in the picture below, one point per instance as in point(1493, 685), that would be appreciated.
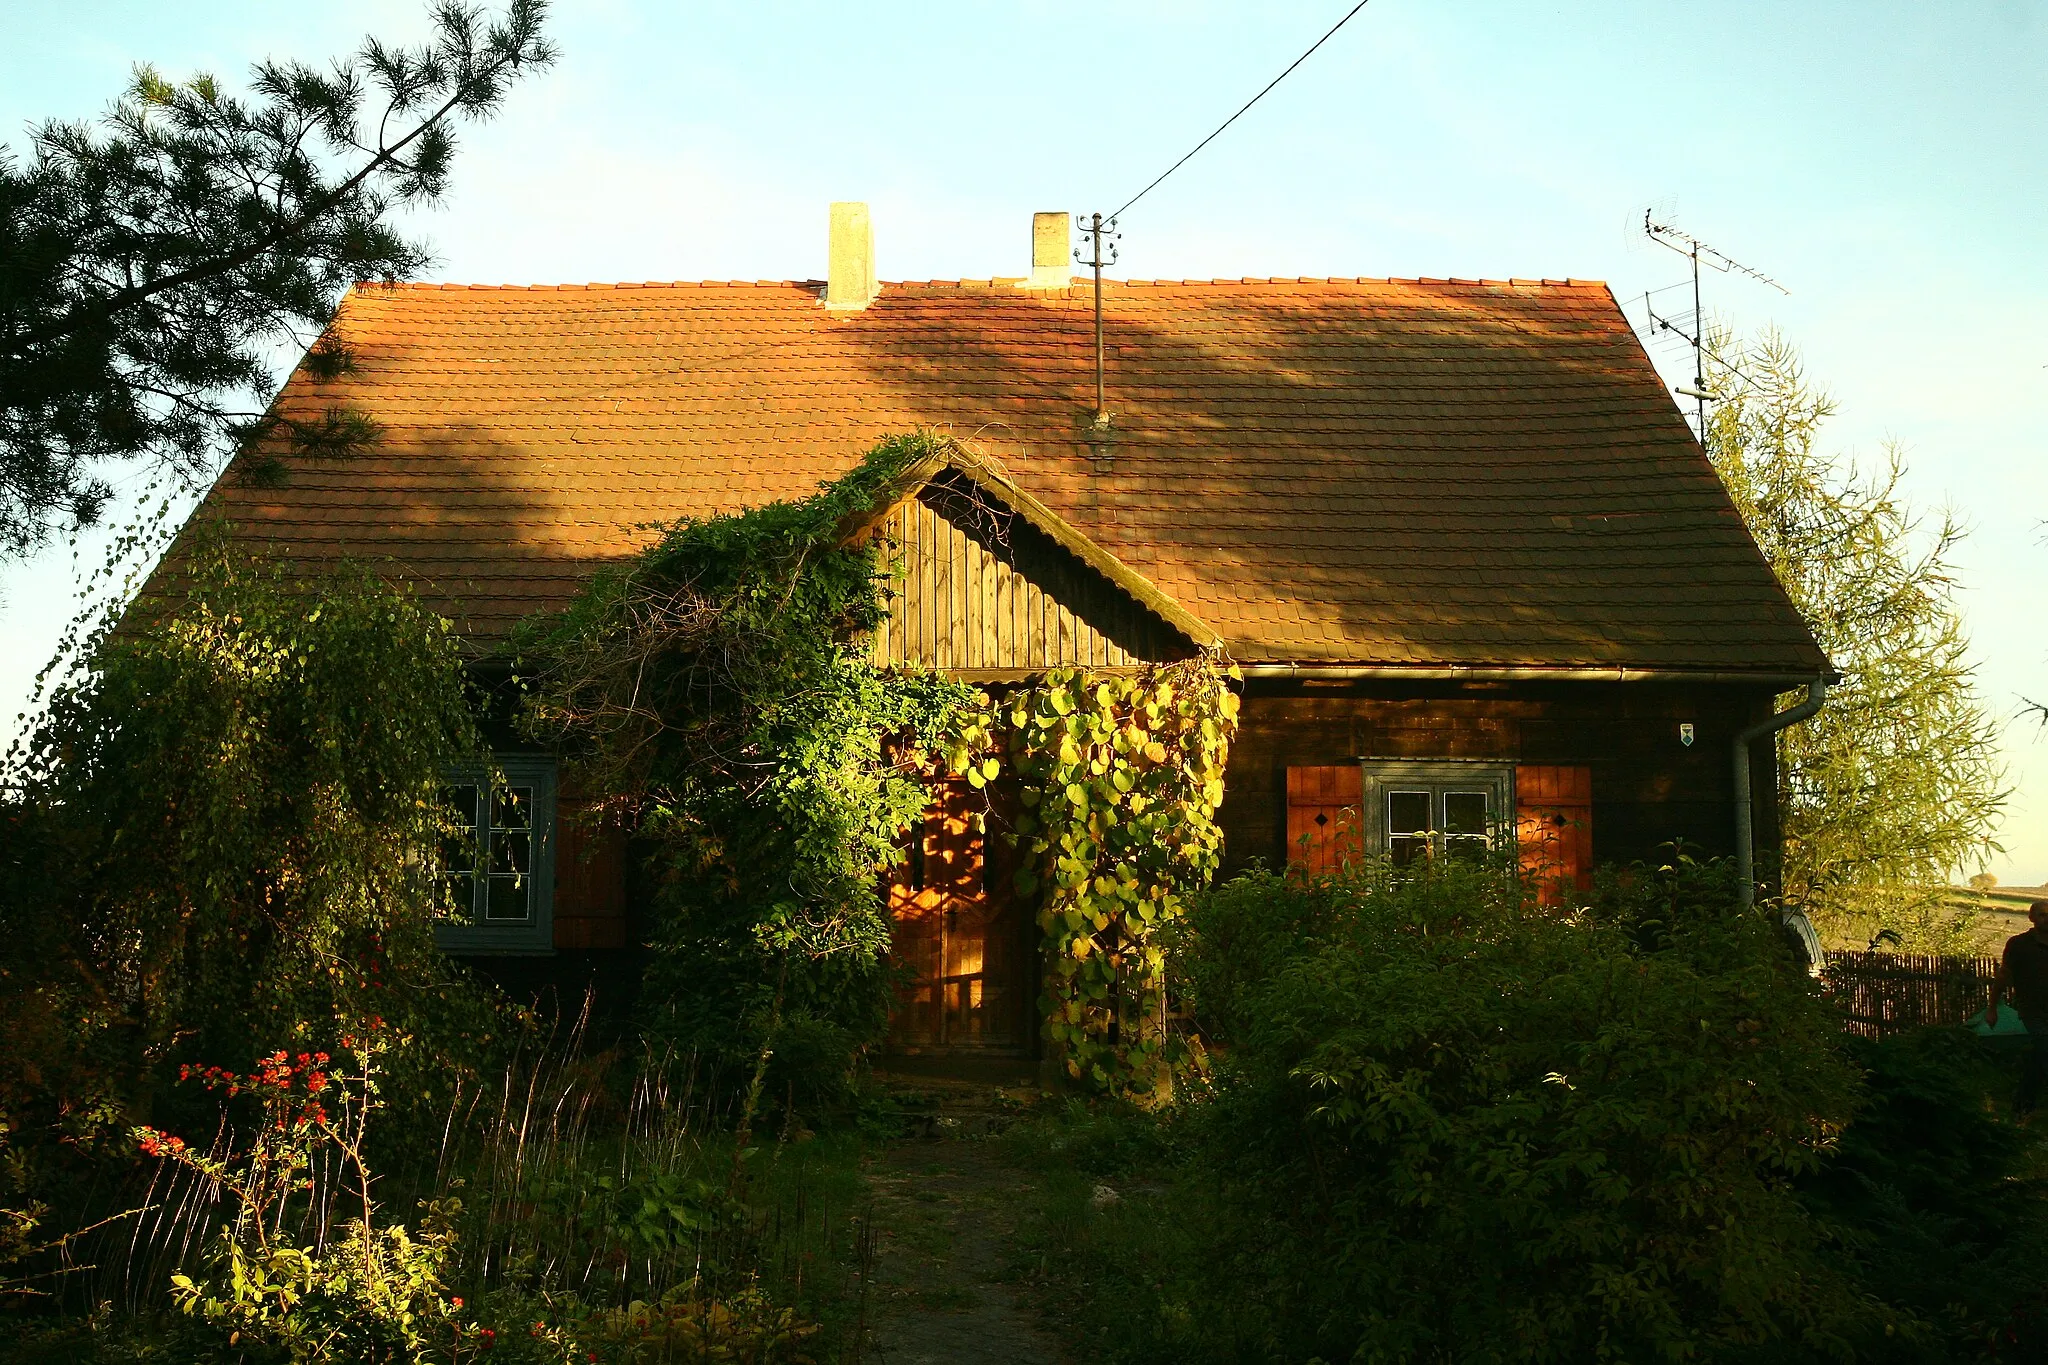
point(316, 1081)
point(158, 1144)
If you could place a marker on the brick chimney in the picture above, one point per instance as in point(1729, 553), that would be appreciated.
point(1052, 262)
point(850, 274)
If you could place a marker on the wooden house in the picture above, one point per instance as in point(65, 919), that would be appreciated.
point(1480, 577)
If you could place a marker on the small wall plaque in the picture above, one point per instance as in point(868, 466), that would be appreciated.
point(1685, 733)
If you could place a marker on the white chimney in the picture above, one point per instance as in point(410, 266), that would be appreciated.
point(850, 274)
point(1052, 261)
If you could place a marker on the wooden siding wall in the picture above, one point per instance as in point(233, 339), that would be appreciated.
point(979, 589)
point(1647, 788)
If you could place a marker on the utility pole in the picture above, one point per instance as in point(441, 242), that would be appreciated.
point(1101, 234)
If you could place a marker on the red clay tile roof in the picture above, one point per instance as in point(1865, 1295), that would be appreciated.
point(1359, 471)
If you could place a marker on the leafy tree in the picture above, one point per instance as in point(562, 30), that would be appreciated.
point(1897, 783)
point(152, 267)
point(214, 836)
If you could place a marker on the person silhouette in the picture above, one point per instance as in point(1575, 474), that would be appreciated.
point(2023, 971)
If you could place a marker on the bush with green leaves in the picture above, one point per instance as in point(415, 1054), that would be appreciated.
point(1450, 1125)
point(372, 1293)
point(1938, 1202)
point(215, 831)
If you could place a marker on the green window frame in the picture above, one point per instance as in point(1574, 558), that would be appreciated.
point(494, 875)
point(1445, 808)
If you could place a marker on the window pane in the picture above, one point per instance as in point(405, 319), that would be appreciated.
point(509, 896)
point(460, 799)
point(512, 808)
point(456, 857)
point(1464, 848)
point(455, 897)
point(1409, 848)
point(458, 853)
point(1465, 813)
point(511, 853)
point(1408, 822)
point(1407, 813)
point(458, 839)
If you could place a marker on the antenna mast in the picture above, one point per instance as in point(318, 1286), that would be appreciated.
point(1693, 249)
point(1102, 235)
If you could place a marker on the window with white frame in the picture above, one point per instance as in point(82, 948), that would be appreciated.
point(1416, 811)
point(494, 877)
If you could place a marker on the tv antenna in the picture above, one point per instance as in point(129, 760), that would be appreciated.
point(1692, 248)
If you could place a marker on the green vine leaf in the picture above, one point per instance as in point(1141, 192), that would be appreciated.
point(1134, 770)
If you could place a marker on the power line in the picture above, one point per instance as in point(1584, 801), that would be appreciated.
point(1241, 113)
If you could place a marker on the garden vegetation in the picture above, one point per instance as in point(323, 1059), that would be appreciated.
point(1446, 1125)
point(253, 1114)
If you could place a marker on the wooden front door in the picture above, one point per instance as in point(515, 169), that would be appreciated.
point(959, 936)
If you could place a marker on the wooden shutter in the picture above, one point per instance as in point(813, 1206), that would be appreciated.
point(590, 879)
point(1554, 829)
point(1323, 831)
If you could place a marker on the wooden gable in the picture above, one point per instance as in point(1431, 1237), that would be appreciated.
point(977, 589)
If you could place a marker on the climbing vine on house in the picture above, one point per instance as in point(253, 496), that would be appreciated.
point(716, 689)
point(1121, 779)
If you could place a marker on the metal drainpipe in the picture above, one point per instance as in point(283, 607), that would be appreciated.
point(1745, 821)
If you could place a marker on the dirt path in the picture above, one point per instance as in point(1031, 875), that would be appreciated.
point(945, 1212)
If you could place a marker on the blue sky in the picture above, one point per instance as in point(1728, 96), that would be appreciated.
point(1887, 161)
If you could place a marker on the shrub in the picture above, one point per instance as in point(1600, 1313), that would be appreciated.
point(214, 831)
point(1452, 1126)
point(375, 1292)
point(1939, 1203)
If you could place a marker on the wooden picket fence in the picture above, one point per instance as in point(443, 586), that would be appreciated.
point(1885, 993)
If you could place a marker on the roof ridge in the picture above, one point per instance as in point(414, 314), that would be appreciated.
point(1569, 282)
point(380, 285)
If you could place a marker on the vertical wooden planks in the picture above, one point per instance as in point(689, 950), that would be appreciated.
point(1323, 824)
point(590, 880)
point(967, 601)
point(1554, 829)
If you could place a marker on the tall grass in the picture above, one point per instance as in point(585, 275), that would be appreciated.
point(584, 1182)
